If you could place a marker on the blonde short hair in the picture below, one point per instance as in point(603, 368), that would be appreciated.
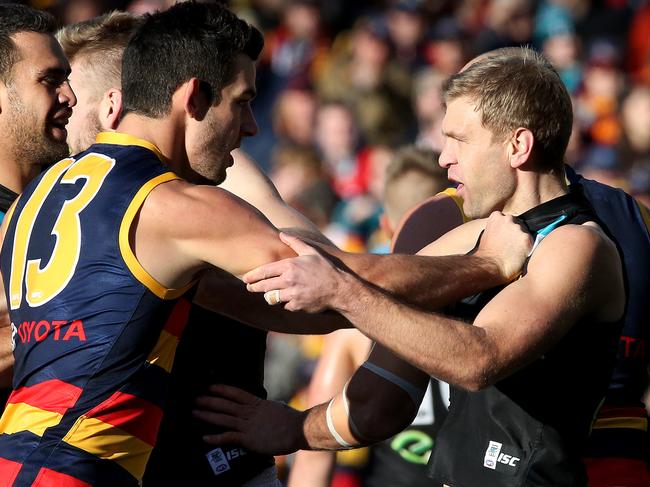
point(99, 44)
point(517, 87)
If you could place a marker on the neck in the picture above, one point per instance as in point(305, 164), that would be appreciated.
point(163, 133)
point(15, 176)
point(533, 189)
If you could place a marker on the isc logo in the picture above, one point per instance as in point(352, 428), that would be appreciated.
point(493, 455)
point(508, 460)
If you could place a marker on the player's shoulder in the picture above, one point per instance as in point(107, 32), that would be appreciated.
point(184, 196)
point(188, 209)
point(584, 244)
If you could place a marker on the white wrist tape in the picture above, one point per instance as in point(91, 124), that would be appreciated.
point(330, 422)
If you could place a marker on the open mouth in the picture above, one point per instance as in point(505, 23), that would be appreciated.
point(58, 125)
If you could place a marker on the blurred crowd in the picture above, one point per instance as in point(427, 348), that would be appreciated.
point(343, 84)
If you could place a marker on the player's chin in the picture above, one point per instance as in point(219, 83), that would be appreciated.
point(220, 178)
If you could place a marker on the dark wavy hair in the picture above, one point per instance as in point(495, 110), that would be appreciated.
point(189, 40)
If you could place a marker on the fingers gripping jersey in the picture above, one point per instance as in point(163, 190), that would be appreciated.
point(94, 334)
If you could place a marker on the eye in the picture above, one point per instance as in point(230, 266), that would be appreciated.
point(54, 80)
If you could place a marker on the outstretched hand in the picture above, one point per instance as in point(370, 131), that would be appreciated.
point(262, 426)
point(308, 282)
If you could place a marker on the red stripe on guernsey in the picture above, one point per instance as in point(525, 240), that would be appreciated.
point(50, 478)
point(52, 395)
point(9, 471)
point(619, 412)
point(131, 414)
point(178, 318)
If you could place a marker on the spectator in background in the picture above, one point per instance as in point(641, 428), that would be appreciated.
point(597, 102)
point(635, 122)
point(445, 47)
point(562, 49)
point(507, 23)
point(294, 50)
point(338, 140)
point(298, 175)
point(377, 88)
point(638, 45)
point(406, 24)
point(428, 108)
point(293, 116)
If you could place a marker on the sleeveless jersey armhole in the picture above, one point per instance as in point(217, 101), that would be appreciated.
point(129, 256)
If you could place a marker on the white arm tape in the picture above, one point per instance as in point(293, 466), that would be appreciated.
point(415, 393)
point(330, 424)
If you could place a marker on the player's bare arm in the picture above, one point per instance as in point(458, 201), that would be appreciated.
point(222, 232)
point(343, 352)
point(195, 227)
point(378, 402)
point(497, 260)
point(569, 277)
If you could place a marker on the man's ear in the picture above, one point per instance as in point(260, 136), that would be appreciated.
point(520, 147)
point(196, 101)
point(110, 109)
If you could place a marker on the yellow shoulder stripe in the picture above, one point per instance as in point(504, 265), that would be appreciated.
point(125, 247)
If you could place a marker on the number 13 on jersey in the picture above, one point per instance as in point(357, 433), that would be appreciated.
point(41, 284)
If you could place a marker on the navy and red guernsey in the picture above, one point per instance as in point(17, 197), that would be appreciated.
point(94, 333)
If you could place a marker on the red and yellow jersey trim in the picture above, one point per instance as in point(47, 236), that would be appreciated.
point(622, 417)
point(122, 429)
point(164, 351)
point(38, 407)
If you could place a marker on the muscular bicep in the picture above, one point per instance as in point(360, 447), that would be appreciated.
point(567, 279)
point(182, 229)
point(242, 239)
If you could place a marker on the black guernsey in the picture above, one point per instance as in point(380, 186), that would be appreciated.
point(531, 428)
point(401, 461)
point(214, 349)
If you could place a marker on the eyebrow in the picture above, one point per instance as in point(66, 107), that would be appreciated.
point(454, 135)
point(58, 71)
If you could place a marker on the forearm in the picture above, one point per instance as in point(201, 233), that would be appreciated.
point(442, 347)
point(227, 295)
point(428, 282)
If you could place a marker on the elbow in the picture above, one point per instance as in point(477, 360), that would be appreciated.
point(480, 374)
point(475, 383)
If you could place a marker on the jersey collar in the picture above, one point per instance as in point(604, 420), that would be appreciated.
point(117, 138)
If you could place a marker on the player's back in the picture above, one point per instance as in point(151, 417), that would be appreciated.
point(94, 333)
point(619, 437)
